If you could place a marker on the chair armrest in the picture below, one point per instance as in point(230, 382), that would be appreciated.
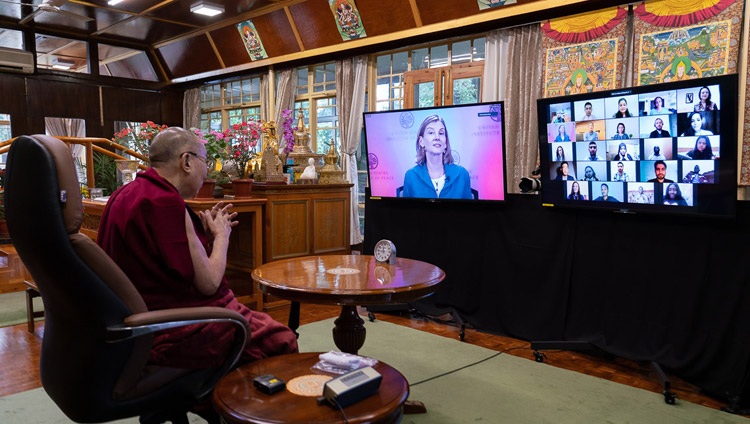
point(137, 325)
point(143, 323)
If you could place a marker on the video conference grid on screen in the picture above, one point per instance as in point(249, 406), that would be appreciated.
point(647, 148)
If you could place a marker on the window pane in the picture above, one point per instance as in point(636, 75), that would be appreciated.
point(438, 56)
point(461, 52)
point(466, 91)
point(419, 59)
point(383, 65)
point(382, 89)
point(479, 49)
point(400, 62)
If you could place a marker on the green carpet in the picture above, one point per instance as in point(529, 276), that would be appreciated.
point(13, 308)
point(504, 389)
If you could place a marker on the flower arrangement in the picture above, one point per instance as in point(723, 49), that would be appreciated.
point(141, 140)
point(287, 134)
point(245, 137)
point(215, 143)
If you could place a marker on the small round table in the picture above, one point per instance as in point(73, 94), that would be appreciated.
point(347, 280)
point(238, 401)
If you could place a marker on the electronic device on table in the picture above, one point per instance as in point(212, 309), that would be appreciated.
point(352, 387)
point(602, 150)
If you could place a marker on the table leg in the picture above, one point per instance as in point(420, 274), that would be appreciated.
point(349, 332)
point(294, 318)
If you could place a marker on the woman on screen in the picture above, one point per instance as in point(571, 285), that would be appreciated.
point(435, 174)
point(658, 108)
point(674, 196)
point(702, 149)
point(622, 109)
point(622, 153)
point(696, 125)
point(620, 133)
point(560, 154)
point(705, 103)
point(561, 134)
point(575, 192)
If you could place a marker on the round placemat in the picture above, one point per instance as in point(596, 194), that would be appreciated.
point(308, 385)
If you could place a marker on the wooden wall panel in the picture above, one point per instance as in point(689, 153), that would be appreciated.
point(190, 56)
point(13, 101)
point(58, 99)
point(377, 21)
point(331, 223)
point(275, 33)
point(315, 23)
point(447, 11)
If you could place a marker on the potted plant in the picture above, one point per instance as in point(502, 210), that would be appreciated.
point(244, 139)
point(138, 141)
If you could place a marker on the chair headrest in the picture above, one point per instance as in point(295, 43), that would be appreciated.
point(69, 189)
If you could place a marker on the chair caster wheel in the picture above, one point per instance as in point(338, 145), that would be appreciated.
point(538, 356)
point(669, 398)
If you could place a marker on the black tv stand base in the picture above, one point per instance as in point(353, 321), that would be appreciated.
point(669, 396)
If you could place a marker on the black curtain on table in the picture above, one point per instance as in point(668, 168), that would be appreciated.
point(646, 287)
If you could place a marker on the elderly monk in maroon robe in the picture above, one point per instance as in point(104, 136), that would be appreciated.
point(176, 258)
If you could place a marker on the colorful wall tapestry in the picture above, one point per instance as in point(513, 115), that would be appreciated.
point(594, 64)
point(347, 19)
point(488, 4)
point(251, 40)
point(686, 39)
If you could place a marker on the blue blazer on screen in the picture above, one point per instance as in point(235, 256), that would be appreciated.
point(417, 183)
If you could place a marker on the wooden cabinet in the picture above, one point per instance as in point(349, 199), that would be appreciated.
point(245, 247)
point(309, 219)
point(12, 272)
point(301, 220)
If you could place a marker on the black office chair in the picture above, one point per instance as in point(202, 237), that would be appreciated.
point(97, 332)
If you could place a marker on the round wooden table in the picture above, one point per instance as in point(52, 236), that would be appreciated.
point(348, 280)
point(238, 401)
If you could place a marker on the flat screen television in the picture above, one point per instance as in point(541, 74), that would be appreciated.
point(668, 148)
point(447, 153)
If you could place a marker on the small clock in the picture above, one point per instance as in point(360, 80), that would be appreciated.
point(385, 251)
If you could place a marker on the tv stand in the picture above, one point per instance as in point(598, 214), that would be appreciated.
point(669, 396)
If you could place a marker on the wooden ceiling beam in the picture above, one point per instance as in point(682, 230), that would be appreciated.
point(295, 31)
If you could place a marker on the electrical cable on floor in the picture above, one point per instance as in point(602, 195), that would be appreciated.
point(466, 366)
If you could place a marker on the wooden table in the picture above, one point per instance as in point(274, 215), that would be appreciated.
point(238, 401)
point(348, 280)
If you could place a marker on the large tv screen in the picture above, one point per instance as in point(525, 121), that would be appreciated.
point(668, 147)
point(449, 153)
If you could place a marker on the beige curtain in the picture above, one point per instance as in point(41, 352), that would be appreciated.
point(191, 108)
point(70, 127)
point(513, 74)
point(495, 68)
point(351, 79)
point(264, 96)
point(284, 94)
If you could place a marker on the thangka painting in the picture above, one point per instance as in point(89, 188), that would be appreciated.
point(488, 4)
point(581, 68)
point(583, 53)
point(347, 19)
point(684, 40)
point(251, 40)
point(677, 54)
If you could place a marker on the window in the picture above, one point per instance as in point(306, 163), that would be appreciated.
point(230, 102)
point(5, 134)
point(316, 96)
point(425, 65)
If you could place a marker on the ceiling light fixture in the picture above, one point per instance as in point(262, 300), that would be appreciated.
point(58, 63)
point(206, 8)
point(114, 2)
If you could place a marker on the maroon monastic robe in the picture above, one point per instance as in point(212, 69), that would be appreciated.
point(143, 231)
